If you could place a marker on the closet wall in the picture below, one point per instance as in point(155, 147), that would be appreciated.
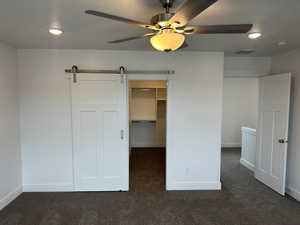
point(147, 114)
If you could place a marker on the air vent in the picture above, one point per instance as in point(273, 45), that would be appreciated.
point(245, 52)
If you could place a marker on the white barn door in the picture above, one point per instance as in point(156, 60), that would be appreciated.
point(100, 140)
point(272, 136)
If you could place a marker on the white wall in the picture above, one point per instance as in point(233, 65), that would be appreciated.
point(240, 107)
point(290, 62)
point(246, 66)
point(240, 95)
point(194, 113)
point(10, 155)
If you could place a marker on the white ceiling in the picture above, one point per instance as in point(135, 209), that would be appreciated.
point(25, 23)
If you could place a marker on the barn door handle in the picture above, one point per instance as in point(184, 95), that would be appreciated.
point(282, 141)
point(122, 134)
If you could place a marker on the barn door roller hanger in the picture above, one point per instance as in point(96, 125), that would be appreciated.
point(74, 70)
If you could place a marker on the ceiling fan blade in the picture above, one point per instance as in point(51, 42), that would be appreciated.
point(132, 38)
point(120, 19)
point(189, 10)
point(218, 29)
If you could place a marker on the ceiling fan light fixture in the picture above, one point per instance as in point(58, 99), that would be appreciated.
point(167, 40)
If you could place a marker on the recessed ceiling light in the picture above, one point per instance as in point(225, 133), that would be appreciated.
point(254, 35)
point(55, 31)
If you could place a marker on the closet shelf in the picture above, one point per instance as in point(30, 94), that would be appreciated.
point(143, 121)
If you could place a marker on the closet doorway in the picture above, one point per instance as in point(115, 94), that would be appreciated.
point(147, 129)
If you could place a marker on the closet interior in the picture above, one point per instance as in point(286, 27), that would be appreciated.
point(147, 101)
point(147, 127)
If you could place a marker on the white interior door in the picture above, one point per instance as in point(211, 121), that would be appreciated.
point(100, 143)
point(272, 130)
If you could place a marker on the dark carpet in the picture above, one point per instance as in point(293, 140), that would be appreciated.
point(147, 170)
point(243, 201)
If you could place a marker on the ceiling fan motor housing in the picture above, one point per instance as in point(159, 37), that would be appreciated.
point(161, 18)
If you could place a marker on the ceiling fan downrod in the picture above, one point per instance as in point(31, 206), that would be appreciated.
point(165, 16)
point(167, 4)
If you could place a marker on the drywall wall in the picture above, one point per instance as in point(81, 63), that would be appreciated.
point(282, 64)
point(194, 113)
point(247, 66)
point(10, 154)
point(240, 95)
point(240, 108)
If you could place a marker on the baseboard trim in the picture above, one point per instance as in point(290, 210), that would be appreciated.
point(293, 192)
point(10, 197)
point(247, 164)
point(231, 145)
point(48, 188)
point(194, 186)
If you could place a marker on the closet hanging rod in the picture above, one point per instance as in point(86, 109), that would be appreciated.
point(122, 70)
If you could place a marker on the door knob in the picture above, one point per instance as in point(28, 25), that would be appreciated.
point(282, 141)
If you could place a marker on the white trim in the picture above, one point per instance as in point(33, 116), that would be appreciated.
point(293, 192)
point(10, 197)
point(48, 188)
point(115, 189)
point(195, 186)
point(247, 164)
point(249, 130)
point(231, 145)
point(243, 76)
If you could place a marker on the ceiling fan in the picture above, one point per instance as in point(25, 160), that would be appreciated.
point(169, 29)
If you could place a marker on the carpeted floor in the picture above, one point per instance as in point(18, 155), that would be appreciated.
point(147, 170)
point(243, 201)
